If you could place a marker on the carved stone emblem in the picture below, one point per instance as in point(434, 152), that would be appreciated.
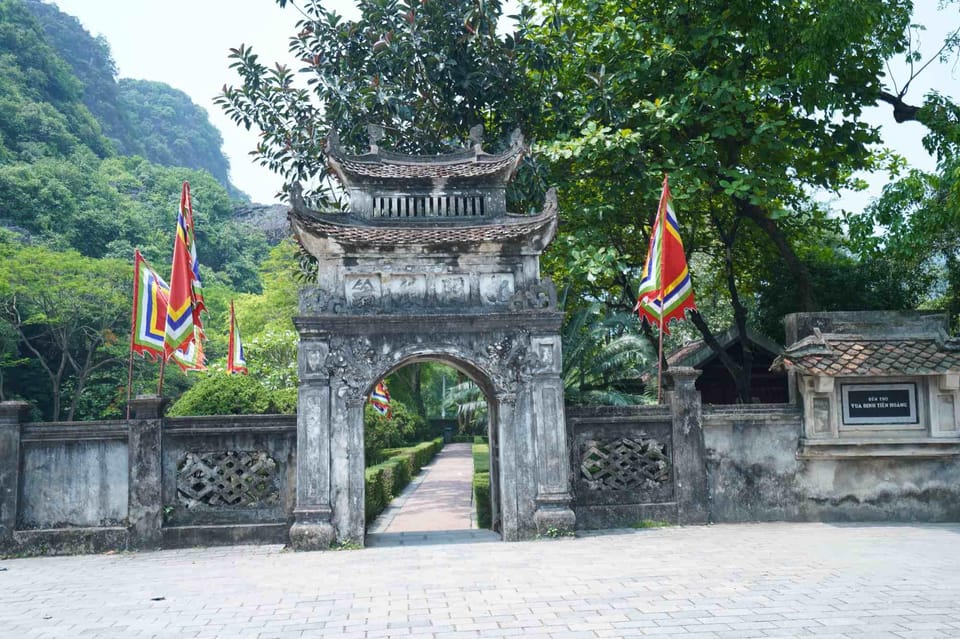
point(362, 291)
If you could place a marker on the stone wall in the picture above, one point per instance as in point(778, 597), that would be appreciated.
point(632, 464)
point(756, 474)
point(145, 483)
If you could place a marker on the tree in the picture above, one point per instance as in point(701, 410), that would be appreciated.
point(426, 71)
point(748, 108)
point(70, 315)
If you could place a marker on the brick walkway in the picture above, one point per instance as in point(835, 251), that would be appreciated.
point(709, 582)
point(440, 499)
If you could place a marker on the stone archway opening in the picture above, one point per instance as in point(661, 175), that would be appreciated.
point(436, 397)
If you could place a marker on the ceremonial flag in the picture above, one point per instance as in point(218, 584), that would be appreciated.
point(180, 325)
point(236, 362)
point(380, 399)
point(191, 358)
point(665, 291)
point(150, 294)
point(186, 210)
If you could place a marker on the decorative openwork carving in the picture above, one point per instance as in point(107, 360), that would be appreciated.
point(232, 478)
point(625, 464)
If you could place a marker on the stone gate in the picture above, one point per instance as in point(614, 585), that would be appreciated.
point(428, 265)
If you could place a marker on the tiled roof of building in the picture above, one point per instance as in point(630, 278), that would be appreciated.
point(852, 355)
point(348, 230)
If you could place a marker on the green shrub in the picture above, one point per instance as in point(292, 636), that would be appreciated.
point(218, 394)
point(481, 458)
point(481, 498)
point(381, 432)
point(481, 484)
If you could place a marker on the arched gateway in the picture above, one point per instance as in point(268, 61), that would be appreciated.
point(428, 264)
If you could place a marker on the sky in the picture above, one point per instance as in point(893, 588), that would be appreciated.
point(185, 43)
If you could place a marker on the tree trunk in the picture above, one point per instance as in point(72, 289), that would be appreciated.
point(798, 269)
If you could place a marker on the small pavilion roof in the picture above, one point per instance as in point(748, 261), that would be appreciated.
point(470, 166)
point(350, 230)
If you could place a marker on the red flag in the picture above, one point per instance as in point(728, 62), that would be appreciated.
point(196, 287)
point(665, 291)
point(180, 308)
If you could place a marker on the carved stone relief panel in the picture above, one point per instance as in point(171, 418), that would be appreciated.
point(546, 354)
point(452, 290)
point(496, 288)
point(313, 357)
point(407, 290)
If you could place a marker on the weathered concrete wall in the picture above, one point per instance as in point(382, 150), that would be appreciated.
point(755, 475)
point(73, 483)
point(151, 482)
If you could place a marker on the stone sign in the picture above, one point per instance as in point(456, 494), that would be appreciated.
point(879, 403)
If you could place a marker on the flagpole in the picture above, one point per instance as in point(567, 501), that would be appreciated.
point(661, 215)
point(163, 361)
point(133, 329)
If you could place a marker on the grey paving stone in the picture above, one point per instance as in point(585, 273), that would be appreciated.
point(716, 582)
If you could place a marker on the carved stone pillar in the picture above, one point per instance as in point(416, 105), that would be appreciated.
point(12, 416)
point(348, 467)
point(145, 498)
point(508, 465)
point(689, 456)
point(312, 528)
point(553, 499)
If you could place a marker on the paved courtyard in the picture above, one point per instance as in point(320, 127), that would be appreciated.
point(752, 580)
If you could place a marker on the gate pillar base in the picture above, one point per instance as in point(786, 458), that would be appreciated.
point(554, 515)
point(312, 530)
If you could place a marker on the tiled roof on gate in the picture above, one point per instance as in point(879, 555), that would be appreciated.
point(347, 230)
point(835, 355)
point(468, 165)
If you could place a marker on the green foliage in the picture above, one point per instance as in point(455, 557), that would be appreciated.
point(219, 394)
point(651, 523)
point(427, 71)
point(914, 230)
point(481, 484)
point(105, 208)
point(70, 316)
point(381, 432)
point(481, 456)
point(481, 500)
point(41, 114)
point(604, 357)
point(174, 131)
point(150, 119)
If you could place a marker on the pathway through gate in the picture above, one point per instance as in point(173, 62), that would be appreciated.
point(437, 506)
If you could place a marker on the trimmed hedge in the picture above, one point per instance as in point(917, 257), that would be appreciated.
point(481, 483)
point(481, 497)
point(385, 480)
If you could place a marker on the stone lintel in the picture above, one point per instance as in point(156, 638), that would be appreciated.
point(323, 325)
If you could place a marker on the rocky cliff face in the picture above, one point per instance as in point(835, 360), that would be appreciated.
point(269, 218)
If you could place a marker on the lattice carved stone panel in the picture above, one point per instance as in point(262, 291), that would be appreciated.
point(625, 464)
point(232, 478)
